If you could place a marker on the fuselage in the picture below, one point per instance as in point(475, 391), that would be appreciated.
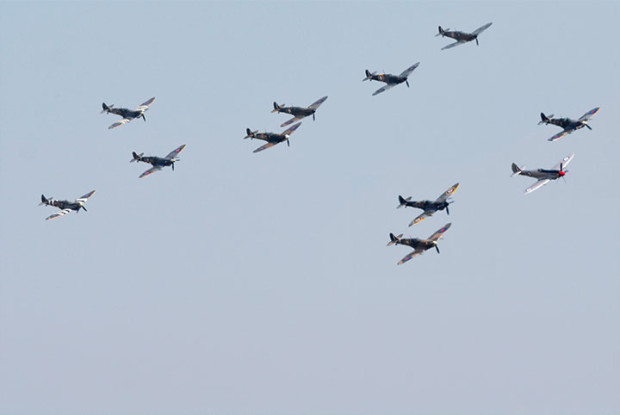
point(389, 79)
point(416, 243)
point(460, 36)
point(297, 111)
point(157, 161)
point(543, 174)
point(566, 123)
point(427, 205)
point(270, 137)
point(65, 204)
point(125, 112)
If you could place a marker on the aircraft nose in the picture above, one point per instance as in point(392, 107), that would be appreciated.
point(562, 173)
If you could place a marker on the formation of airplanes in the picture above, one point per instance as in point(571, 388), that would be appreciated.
point(158, 163)
point(568, 126)
point(389, 79)
point(428, 207)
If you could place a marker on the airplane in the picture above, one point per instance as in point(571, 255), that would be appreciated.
point(298, 112)
point(389, 79)
point(158, 162)
point(461, 37)
point(65, 206)
point(429, 207)
point(271, 138)
point(567, 124)
point(419, 245)
point(127, 114)
point(543, 175)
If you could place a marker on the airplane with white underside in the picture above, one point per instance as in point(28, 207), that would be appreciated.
point(461, 37)
point(568, 125)
point(65, 206)
point(419, 245)
point(428, 206)
point(126, 113)
point(543, 175)
point(298, 113)
point(389, 79)
point(158, 163)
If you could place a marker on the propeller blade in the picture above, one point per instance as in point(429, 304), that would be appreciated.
point(172, 166)
point(477, 44)
point(589, 128)
point(437, 248)
point(407, 82)
point(448, 210)
point(288, 143)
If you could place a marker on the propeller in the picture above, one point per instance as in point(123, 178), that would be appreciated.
point(436, 247)
point(586, 124)
point(477, 44)
point(288, 143)
point(407, 82)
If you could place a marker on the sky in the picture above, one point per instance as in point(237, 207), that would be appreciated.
point(261, 283)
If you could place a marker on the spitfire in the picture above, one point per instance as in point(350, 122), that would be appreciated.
point(543, 175)
point(66, 206)
point(127, 114)
point(461, 37)
point(419, 245)
point(158, 162)
point(428, 206)
point(298, 113)
point(568, 125)
point(271, 138)
point(389, 79)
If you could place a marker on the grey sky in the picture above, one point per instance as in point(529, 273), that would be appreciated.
point(260, 283)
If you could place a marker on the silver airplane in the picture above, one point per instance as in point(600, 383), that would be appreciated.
point(567, 125)
point(126, 113)
point(419, 245)
point(428, 206)
point(158, 162)
point(543, 175)
point(65, 206)
point(298, 113)
point(389, 79)
point(461, 37)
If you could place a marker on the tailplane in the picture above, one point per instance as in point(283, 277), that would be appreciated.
point(106, 108)
point(250, 133)
point(516, 170)
point(394, 239)
point(276, 107)
point(544, 119)
point(136, 157)
point(44, 200)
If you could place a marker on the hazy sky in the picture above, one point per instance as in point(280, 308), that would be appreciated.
point(249, 283)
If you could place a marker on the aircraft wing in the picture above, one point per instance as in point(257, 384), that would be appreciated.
point(451, 45)
point(560, 135)
point(175, 152)
point(145, 105)
point(316, 104)
point(564, 162)
point(410, 256)
point(289, 122)
point(589, 114)
point(382, 89)
point(540, 183)
point(440, 232)
point(150, 171)
point(291, 129)
point(422, 216)
point(481, 29)
point(407, 71)
point(265, 147)
point(445, 195)
point(85, 197)
point(58, 214)
point(119, 123)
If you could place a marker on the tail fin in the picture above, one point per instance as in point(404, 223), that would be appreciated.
point(249, 133)
point(136, 157)
point(105, 107)
point(401, 200)
point(394, 239)
point(515, 169)
point(368, 75)
point(44, 200)
point(441, 31)
point(544, 118)
point(276, 106)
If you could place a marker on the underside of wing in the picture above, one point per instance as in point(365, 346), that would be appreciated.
point(382, 89)
point(146, 104)
point(291, 129)
point(119, 123)
point(451, 45)
point(265, 147)
point(560, 135)
point(410, 69)
point(422, 216)
point(58, 214)
point(175, 152)
point(564, 162)
point(150, 171)
point(289, 122)
point(445, 195)
point(410, 256)
point(85, 197)
point(481, 29)
point(439, 232)
point(589, 114)
point(540, 183)
point(316, 104)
